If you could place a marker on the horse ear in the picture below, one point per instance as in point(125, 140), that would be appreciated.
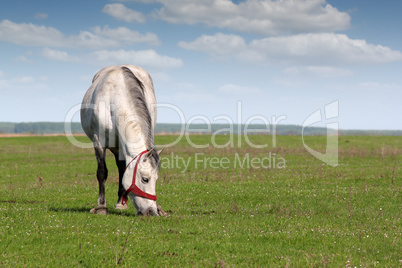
point(148, 154)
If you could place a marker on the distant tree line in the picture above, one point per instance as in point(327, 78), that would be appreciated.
point(163, 128)
point(39, 128)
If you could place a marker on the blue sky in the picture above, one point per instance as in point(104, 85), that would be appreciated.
point(277, 58)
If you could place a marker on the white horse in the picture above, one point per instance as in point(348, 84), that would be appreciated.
point(118, 112)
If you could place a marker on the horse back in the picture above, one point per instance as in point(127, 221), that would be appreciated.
point(121, 93)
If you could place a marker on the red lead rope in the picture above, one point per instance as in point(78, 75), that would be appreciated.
point(134, 188)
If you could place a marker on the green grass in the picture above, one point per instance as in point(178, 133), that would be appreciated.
point(302, 214)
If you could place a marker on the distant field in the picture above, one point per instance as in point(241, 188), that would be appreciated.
point(38, 128)
point(230, 206)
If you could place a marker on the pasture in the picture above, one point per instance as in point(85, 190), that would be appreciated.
point(284, 209)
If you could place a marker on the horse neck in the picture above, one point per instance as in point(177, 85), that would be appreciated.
point(131, 152)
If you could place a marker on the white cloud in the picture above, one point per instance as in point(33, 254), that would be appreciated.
point(217, 45)
point(41, 16)
point(141, 1)
point(321, 71)
point(121, 12)
point(238, 90)
point(324, 47)
point(261, 17)
point(22, 58)
point(30, 34)
point(194, 98)
point(22, 83)
point(34, 35)
point(57, 55)
point(307, 49)
point(24, 80)
point(146, 58)
point(377, 86)
point(3, 84)
point(123, 34)
point(264, 17)
point(328, 71)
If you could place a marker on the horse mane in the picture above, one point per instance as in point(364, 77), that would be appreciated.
point(137, 90)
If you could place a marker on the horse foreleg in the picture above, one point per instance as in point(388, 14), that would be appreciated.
point(121, 165)
point(101, 175)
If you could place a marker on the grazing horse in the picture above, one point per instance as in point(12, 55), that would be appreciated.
point(118, 113)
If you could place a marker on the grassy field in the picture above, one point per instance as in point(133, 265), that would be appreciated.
point(232, 206)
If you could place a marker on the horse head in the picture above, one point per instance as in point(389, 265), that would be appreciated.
point(145, 167)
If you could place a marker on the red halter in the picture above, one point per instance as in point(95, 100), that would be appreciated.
point(134, 188)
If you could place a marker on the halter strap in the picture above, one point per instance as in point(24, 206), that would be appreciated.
point(134, 188)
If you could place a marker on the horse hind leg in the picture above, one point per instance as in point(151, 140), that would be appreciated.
point(101, 175)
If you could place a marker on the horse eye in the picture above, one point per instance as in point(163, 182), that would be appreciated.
point(145, 180)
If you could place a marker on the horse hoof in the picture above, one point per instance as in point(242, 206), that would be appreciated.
point(99, 211)
point(161, 212)
point(120, 206)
